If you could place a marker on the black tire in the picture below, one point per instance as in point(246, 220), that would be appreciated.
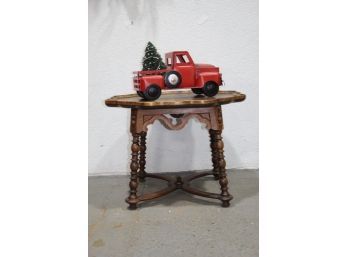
point(152, 92)
point(172, 79)
point(210, 88)
point(141, 94)
point(197, 91)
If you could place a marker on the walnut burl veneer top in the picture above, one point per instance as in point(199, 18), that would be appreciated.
point(175, 99)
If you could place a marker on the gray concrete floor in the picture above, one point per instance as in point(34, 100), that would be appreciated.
point(178, 224)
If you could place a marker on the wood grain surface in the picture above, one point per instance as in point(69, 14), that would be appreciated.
point(175, 99)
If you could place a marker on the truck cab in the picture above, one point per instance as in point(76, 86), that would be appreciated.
point(182, 63)
point(181, 73)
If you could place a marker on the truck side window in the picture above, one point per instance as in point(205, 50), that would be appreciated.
point(177, 59)
point(186, 59)
point(182, 59)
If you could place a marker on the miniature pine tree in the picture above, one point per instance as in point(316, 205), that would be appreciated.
point(152, 60)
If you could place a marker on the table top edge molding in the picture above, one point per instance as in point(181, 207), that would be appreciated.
point(177, 99)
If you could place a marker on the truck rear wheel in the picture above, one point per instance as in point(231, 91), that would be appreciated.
point(152, 92)
point(172, 79)
point(197, 91)
point(210, 88)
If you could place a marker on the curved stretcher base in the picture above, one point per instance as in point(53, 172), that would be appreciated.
point(175, 183)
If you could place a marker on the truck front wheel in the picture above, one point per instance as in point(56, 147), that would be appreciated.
point(152, 92)
point(210, 88)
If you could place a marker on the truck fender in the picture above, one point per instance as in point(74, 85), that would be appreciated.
point(204, 77)
point(149, 80)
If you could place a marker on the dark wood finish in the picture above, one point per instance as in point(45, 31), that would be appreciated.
point(173, 112)
point(132, 200)
point(226, 197)
point(170, 188)
point(142, 157)
point(214, 156)
point(187, 188)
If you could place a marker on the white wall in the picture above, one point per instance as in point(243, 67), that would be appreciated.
point(223, 33)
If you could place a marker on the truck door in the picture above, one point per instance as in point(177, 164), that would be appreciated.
point(185, 66)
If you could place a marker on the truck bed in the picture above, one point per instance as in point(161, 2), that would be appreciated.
point(149, 72)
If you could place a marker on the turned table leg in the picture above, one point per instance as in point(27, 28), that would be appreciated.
point(132, 200)
point(142, 158)
point(214, 154)
point(225, 195)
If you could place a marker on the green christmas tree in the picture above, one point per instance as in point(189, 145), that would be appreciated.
point(152, 59)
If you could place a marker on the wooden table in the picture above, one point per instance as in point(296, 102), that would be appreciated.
point(173, 110)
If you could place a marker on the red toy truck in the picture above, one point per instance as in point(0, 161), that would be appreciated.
point(181, 72)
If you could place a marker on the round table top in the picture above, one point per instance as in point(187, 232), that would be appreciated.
point(175, 99)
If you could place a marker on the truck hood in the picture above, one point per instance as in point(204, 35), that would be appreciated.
point(206, 67)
